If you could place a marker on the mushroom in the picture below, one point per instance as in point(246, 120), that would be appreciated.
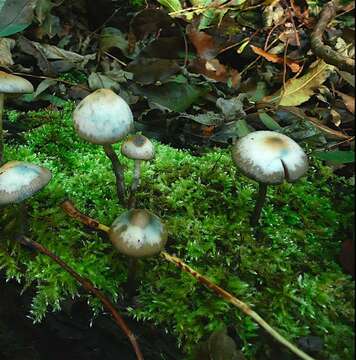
point(10, 84)
point(20, 180)
point(104, 118)
point(137, 148)
point(137, 233)
point(269, 158)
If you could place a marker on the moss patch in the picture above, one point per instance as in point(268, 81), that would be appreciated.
point(289, 275)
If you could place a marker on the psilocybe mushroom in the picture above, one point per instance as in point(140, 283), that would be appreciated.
point(138, 231)
point(20, 180)
point(138, 148)
point(104, 118)
point(269, 158)
point(10, 84)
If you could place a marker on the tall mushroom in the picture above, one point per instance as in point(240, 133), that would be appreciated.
point(104, 118)
point(137, 148)
point(269, 158)
point(10, 84)
point(20, 180)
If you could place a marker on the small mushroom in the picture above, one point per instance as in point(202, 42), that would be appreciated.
point(137, 233)
point(10, 84)
point(104, 118)
point(137, 148)
point(20, 180)
point(269, 158)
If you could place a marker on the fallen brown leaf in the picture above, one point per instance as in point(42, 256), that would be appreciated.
point(348, 100)
point(294, 66)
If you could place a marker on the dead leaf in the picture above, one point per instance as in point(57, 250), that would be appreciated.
point(205, 44)
point(297, 91)
point(6, 45)
point(348, 100)
point(335, 117)
point(294, 66)
point(213, 69)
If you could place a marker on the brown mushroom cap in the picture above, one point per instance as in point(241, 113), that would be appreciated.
point(138, 233)
point(138, 147)
point(12, 84)
point(270, 157)
point(19, 180)
point(103, 117)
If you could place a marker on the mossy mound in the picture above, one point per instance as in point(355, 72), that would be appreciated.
point(290, 274)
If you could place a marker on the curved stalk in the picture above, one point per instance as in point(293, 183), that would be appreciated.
point(2, 96)
point(118, 171)
point(135, 184)
point(208, 283)
point(261, 197)
point(88, 285)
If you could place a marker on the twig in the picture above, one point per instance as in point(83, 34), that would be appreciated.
point(323, 51)
point(205, 281)
point(293, 23)
point(88, 285)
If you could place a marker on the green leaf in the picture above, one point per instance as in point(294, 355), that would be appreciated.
point(298, 91)
point(15, 15)
point(242, 129)
point(269, 122)
point(171, 5)
point(338, 156)
point(175, 96)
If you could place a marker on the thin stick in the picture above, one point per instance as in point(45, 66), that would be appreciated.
point(215, 288)
point(118, 171)
point(236, 302)
point(261, 197)
point(88, 285)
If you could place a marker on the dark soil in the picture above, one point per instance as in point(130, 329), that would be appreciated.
point(68, 335)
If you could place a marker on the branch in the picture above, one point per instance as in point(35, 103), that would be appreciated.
point(88, 285)
point(323, 51)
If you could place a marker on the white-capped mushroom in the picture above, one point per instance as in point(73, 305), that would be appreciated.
point(269, 158)
point(138, 233)
point(104, 118)
point(10, 84)
point(137, 148)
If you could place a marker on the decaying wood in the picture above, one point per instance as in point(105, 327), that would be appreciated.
point(323, 51)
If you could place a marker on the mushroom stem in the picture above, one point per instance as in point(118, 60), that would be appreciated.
point(88, 285)
point(236, 302)
point(22, 218)
point(261, 197)
point(118, 171)
point(135, 184)
point(131, 284)
point(2, 96)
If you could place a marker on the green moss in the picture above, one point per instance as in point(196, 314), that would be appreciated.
point(289, 275)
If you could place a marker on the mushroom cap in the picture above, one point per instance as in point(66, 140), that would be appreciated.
point(138, 147)
point(19, 180)
point(103, 117)
point(13, 84)
point(138, 233)
point(269, 157)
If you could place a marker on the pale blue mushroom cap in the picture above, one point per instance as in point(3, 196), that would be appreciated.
point(19, 180)
point(103, 117)
point(138, 233)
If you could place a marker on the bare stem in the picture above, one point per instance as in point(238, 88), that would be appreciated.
point(135, 184)
point(118, 171)
point(261, 197)
point(236, 302)
point(1, 129)
point(88, 285)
